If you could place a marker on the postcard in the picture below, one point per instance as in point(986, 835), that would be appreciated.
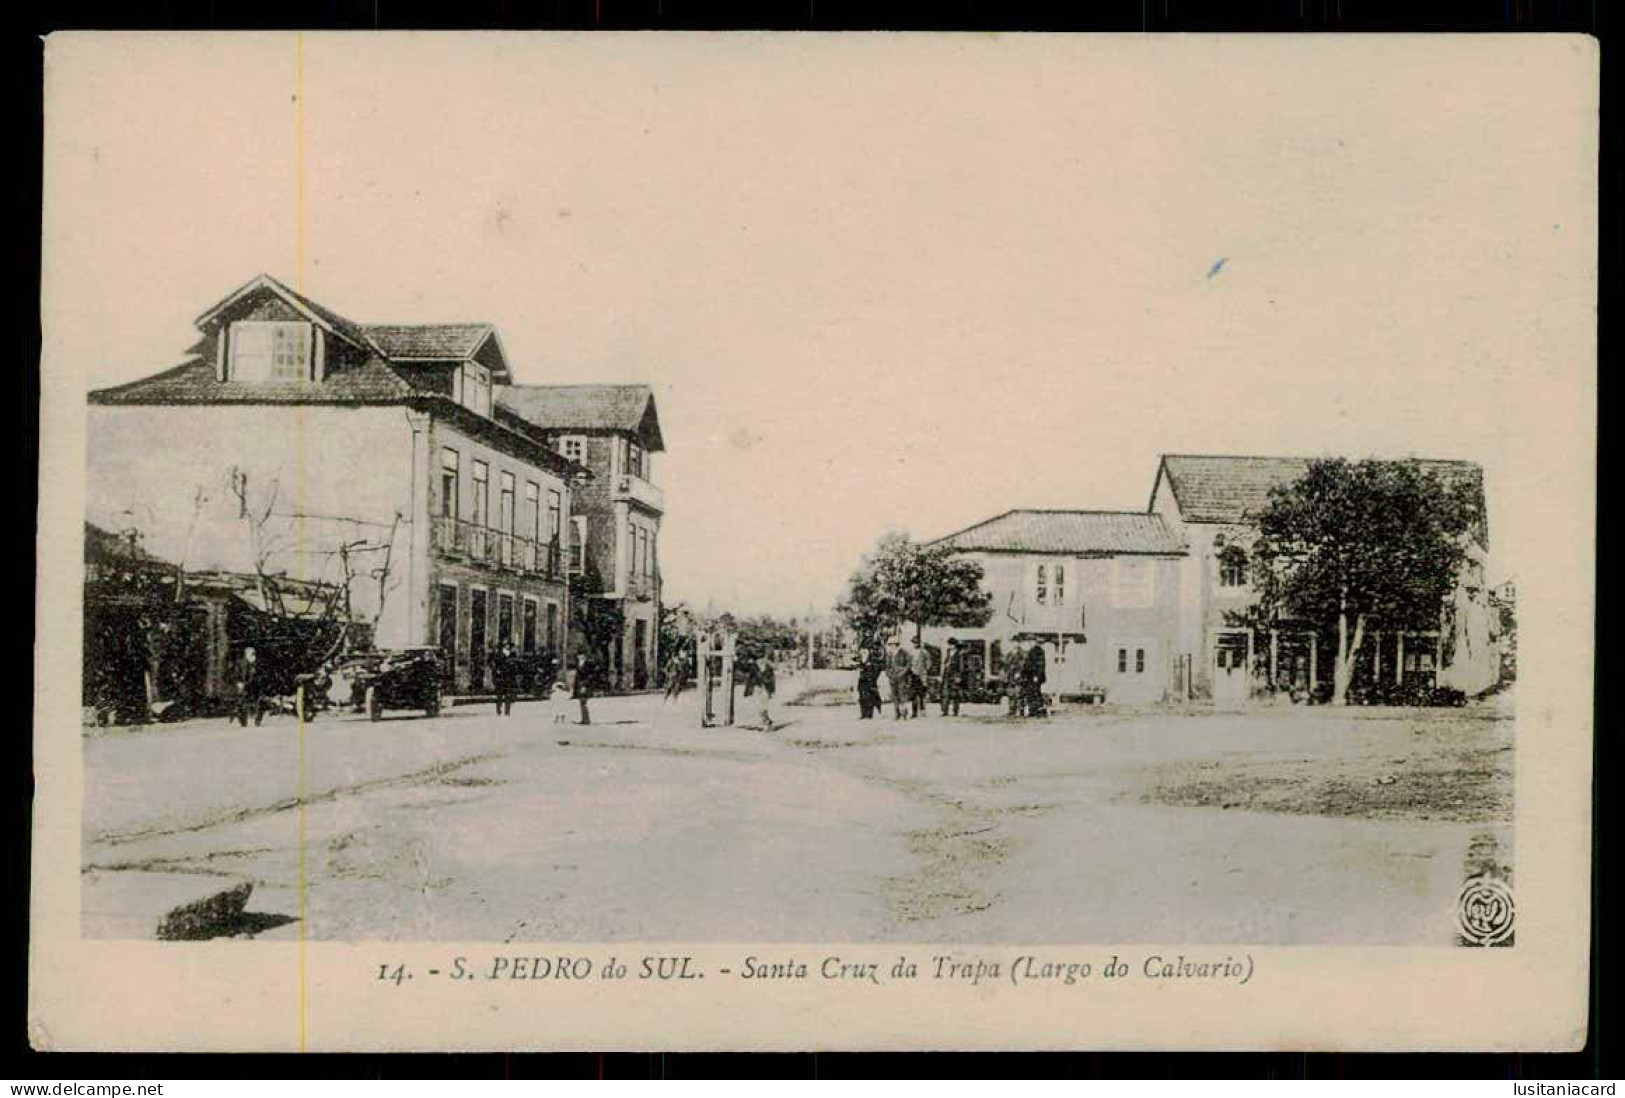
point(816, 541)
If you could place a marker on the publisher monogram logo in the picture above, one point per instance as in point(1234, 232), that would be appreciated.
point(1484, 911)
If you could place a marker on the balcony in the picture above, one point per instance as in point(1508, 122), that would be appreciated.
point(640, 588)
point(482, 545)
point(639, 491)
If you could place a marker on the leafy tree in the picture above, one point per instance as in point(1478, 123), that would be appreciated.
point(600, 622)
point(1349, 544)
point(901, 581)
point(762, 632)
point(765, 633)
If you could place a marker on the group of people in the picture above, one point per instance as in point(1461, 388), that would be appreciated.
point(1025, 670)
point(908, 670)
point(576, 684)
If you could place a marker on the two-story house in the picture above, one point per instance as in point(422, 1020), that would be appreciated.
point(295, 442)
point(1212, 501)
point(614, 430)
point(1153, 604)
point(1100, 590)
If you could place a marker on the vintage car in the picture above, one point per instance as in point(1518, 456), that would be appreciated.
point(402, 678)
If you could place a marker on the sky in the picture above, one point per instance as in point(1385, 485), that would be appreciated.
point(880, 282)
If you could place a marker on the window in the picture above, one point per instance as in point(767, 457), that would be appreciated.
point(1123, 652)
point(482, 494)
point(527, 640)
point(573, 447)
point(634, 458)
point(1132, 585)
point(578, 547)
point(270, 351)
point(1041, 585)
point(472, 388)
point(632, 548)
point(448, 482)
point(505, 504)
point(533, 496)
point(1060, 585)
point(554, 510)
point(1232, 567)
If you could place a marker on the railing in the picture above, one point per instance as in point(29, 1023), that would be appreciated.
point(639, 491)
point(483, 545)
point(641, 588)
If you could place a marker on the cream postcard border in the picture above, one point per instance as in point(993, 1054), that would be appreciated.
point(246, 996)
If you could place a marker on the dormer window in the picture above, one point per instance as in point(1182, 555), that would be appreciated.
point(264, 352)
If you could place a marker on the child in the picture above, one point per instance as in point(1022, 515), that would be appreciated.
point(558, 703)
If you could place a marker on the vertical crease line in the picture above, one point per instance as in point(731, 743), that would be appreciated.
point(299, 524)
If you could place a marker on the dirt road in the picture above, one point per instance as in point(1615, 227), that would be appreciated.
point(1278, 826)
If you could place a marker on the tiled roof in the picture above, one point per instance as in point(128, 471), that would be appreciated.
point(1079, 532)
point(1216, 488)
point(428, 341)
point(345, 327)
point(585, 407)
point(194, 382)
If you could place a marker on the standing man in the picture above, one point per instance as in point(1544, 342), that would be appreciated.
point(504, 674)
point(897, 676)
point(870, 665)
point(953, 675)
point(1033, 681)
point(760, 680)
point(919, 676)
point(768, 680)
point(581, 676)
point(1015, 663)
point(250, 688)
point(676, 671)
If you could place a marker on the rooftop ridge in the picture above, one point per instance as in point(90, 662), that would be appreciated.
point(1067, 530)
point(579, 385)
point(1318, 457)
point(427, 324)
point(1081, 511)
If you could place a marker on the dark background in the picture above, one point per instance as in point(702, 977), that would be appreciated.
point(1598, 1060)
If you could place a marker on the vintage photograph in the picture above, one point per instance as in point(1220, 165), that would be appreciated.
point(873, 489)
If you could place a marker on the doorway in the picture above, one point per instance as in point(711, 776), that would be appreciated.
point(640, 654)
point(476, 641)
point(1229, 670)
point(447, 611)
